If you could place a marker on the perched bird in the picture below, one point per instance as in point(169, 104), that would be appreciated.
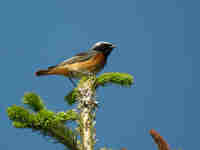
point(85, 63)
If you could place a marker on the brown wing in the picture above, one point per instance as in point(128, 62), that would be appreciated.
point(80, 57)
point(84, 56)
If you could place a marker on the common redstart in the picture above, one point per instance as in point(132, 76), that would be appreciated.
point(85, 63)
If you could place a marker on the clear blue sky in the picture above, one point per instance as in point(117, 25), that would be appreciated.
point(158, 43)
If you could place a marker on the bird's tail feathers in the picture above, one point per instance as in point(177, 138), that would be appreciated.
point(42, 72)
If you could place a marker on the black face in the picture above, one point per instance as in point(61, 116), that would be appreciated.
point(104, 47)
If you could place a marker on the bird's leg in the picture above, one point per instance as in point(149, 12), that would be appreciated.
point(91, 74)
point(87, 73)
point(84, 73)
point(71, 80)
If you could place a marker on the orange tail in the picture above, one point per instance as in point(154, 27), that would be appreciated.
point(42, 72)
point(52, 71)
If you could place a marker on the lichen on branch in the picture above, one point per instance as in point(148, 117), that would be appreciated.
point(86, 105)
point(122, 79)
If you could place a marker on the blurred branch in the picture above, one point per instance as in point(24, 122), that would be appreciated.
point(159, 140)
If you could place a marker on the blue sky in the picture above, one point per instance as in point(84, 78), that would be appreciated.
point(157, 42)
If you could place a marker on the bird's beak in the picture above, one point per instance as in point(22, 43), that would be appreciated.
point(113, 46)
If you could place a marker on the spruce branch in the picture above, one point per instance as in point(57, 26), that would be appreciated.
point(48, 123)
point(33, 101)
point(53, 124)
point(20, 114)
point(123, 79)
point(71, 98)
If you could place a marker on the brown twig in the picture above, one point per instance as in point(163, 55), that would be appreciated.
point(159, 140)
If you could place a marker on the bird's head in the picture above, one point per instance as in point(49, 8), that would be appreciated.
point(104, 47)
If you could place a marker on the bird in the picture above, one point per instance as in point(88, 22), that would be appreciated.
point(86, 63)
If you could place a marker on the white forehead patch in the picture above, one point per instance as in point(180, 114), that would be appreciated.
point(102, 42)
